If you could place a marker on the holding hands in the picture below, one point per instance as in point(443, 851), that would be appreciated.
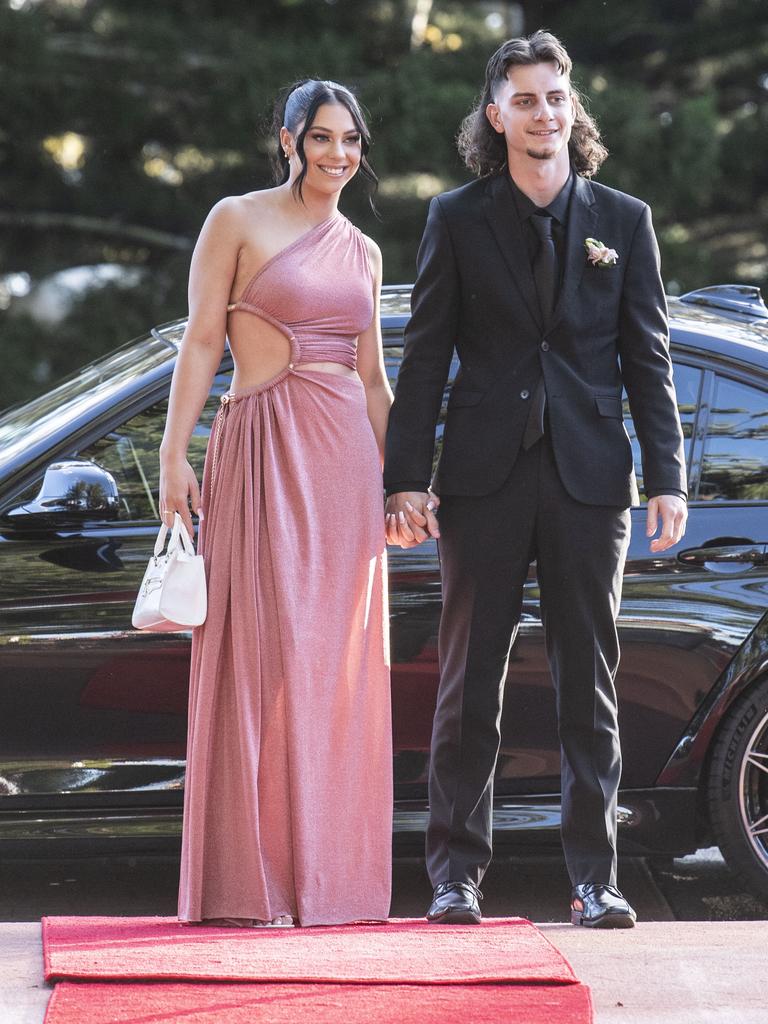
point(410, 517)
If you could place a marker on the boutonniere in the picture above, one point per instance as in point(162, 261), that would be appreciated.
point(598, 253)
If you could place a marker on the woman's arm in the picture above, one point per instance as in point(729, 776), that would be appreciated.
point(214, 262)
point(370, 359)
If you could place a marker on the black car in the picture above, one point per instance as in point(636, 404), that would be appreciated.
point(93, 713)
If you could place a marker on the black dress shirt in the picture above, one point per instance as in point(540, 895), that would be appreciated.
point(557, 210)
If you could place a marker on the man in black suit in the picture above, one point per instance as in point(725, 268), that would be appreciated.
point(548, 287)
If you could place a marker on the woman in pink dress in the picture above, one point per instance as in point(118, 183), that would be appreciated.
point(288, 799)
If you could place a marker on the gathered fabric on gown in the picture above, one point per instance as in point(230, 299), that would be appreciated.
point(288, 797)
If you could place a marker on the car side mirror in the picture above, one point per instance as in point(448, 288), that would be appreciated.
point(73, 491)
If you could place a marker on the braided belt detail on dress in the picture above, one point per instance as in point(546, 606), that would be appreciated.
point(217, 428)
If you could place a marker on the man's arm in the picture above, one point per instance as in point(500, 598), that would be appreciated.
point(647, 374)
point(429, 343)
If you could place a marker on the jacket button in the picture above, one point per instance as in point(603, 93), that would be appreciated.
point(545, 346)
point(525, 393)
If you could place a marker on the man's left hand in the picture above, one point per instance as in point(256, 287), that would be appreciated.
point(673, 513)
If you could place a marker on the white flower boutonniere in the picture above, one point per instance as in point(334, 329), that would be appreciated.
point(598, 253)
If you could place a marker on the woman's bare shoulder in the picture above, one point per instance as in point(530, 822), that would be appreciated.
point(374, 253)
point(259, 203)
point(373, 247)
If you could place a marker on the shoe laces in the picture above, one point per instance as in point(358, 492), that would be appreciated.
point(588, 889)
point(443, 887)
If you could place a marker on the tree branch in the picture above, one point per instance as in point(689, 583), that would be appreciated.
point(44, 221)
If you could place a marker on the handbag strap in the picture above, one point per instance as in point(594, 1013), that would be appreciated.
point(179, 537)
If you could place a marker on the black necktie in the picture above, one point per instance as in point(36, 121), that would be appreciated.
point(545, 279)
point(545, 265)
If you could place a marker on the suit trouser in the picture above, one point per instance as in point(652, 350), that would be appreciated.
point(486, 545)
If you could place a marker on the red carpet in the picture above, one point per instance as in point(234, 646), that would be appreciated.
point(236, 1003)
point(509, 950)
point(153, 970)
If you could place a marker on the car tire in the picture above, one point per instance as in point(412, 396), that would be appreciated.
point(738, 788)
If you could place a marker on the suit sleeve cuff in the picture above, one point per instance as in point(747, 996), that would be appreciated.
point(657, 491)
point(409, 485)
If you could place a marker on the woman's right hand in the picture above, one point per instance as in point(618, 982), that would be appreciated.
point(179, 492)
point(410, 518)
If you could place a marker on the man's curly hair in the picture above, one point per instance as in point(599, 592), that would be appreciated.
point(484, 150)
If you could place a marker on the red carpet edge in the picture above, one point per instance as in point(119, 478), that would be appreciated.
point(405, 951)
point(286, 1003)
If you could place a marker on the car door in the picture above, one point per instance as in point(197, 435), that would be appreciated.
point(722, 563)
point(684, 612)
point(93, 711)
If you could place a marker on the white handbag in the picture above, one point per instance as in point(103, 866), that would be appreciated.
point(173, 592)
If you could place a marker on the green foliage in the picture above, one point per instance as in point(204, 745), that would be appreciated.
point(35, 356)
point(669, 157)
point(169, 102)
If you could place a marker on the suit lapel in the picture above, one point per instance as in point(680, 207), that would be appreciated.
point(582, 224)
point(499, 210)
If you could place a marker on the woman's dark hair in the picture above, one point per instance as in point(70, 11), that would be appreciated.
point(298, 106)
point(484, 150)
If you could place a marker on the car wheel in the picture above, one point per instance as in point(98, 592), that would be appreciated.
point(738, 788)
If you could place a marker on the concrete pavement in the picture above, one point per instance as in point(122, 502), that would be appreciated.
point(681, 972)
point(661, 972)
point(698, 956)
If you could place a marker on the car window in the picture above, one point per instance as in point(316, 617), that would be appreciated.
point(130, 452)
point(735, 459)
point(688, 386)
point(23, 426)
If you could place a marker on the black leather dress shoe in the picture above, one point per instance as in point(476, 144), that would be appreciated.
point(600, 906)
point(455, 903)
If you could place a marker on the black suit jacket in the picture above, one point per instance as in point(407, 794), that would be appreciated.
point(475, 292)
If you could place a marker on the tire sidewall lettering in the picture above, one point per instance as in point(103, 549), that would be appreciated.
point(732, 754)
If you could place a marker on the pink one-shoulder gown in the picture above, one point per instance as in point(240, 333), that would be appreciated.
point(288, 800)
